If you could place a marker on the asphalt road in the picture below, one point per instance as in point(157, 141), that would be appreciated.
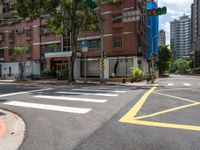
point(159, 122)
point(60, 118)
point(163, 117)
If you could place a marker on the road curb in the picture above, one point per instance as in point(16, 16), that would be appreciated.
point(12, 130)
point(2, 128)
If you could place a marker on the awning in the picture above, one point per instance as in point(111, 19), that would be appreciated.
point(58, 54)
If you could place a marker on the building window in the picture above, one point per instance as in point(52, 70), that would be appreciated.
point(44, 30)
point(29, 51)
point(48, 48)
point(94, 44)
point(1, 44)
point(117, 18)
point(28, 33)
point(11, 51)
point(1, 53)
point(117, 41)
point(11, 34)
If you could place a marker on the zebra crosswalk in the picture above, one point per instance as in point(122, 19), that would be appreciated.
point(173, 84)
point(42, 99)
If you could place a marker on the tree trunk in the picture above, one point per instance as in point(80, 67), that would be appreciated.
point(22, 67)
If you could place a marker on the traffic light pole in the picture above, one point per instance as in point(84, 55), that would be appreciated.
point(152, 59)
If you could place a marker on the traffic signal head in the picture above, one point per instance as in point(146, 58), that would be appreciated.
point(156, 11)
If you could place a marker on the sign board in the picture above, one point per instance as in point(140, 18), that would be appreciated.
point(84, 46)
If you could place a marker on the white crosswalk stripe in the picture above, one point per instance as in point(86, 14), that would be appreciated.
point(77, 95)
point(99, 90)
point(83, 93)
point(187, 84)
point(71, 98)
point(49, 107)
point(170, 84)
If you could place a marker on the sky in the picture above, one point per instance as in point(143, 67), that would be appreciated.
point(175, 9)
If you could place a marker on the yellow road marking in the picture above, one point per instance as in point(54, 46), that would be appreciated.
point(180, 98)
point(165, 125)
point(130, 116)
point(166, 111)
point(133, 112)
point(174, 89)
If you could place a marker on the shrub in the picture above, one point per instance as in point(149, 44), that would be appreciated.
point(136, 72)
point(46, 73)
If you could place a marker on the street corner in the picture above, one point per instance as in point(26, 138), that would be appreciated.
point(12, 129)
point(2, 128)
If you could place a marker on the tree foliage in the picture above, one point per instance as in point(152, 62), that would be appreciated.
point(181, 65)
point(71, 15)
point(165, 57)
point(20, 51)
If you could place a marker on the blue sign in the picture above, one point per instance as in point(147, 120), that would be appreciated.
point(84, 46)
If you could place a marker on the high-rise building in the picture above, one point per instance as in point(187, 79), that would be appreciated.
point(180, 37)
point(162, 37)
point(125, 42)
point(195, 17)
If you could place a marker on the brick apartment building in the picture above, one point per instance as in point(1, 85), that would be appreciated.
point(125, 43)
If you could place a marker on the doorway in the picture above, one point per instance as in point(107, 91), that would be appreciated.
point(60, 70)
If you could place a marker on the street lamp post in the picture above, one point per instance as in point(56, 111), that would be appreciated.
point(152, 44)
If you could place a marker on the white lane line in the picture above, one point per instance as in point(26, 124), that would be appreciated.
point(91, 90)
point(18, 93)
point(187, 84)
point(49, 107)
point(170, 84)
point(71, 98)
point(88, 94)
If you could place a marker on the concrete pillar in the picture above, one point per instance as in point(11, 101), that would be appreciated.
point(135, 61)
point(48, 64)
point(77, 70)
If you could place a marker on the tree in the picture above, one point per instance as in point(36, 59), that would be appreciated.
point(182, 65)
point(64, 15)
point(165, 56)
point(20, 51)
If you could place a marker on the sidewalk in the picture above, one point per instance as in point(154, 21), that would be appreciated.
point(12, 129)
point(90, 81)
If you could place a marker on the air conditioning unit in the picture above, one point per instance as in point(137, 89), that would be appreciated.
point(19, 30)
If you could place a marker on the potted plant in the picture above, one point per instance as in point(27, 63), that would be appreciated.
point(137, 74)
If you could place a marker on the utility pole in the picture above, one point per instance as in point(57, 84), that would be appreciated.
point(92, 5)
point(102, 42)
point(152, 51)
